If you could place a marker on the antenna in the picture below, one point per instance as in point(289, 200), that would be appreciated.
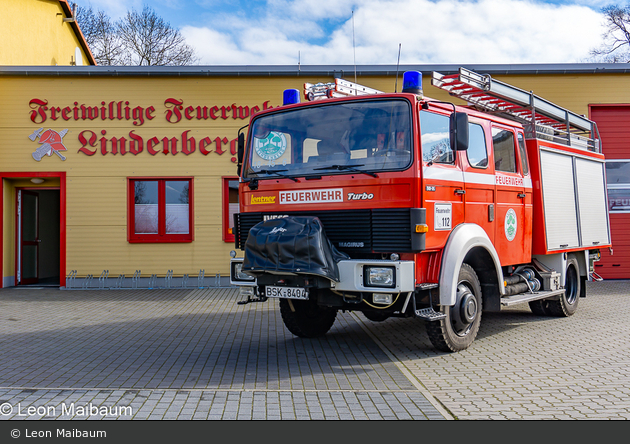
point(299, 60)
point(397, 65)
point(354, 50)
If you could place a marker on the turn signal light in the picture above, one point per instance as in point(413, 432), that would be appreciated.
point(422, 228)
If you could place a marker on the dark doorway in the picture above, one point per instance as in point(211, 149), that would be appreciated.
point(38, 255)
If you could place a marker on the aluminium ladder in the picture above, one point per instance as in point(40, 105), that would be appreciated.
point(497, 97)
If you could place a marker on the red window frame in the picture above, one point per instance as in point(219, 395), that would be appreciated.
point(228, 236)
point(161, 236)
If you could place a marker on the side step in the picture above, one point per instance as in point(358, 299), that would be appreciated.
point(506, 301)
point(429, 314)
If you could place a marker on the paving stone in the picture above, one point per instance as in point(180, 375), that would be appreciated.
point(196, 354)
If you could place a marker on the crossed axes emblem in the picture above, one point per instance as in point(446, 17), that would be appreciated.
point(51, 142)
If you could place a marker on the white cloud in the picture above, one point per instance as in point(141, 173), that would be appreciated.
point(446, 31)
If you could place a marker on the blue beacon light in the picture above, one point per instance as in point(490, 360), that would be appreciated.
point(290, 96)
point(412, 82)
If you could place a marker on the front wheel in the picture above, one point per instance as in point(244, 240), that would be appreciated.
point(306, 319)
point(460, 326)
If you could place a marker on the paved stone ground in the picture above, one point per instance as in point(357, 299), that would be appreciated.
point(523, 366)
point(182, 354)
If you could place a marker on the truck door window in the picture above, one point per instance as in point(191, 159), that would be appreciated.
point(523, 152)
point(434, 133)
point(477, 152)
point(504, 155)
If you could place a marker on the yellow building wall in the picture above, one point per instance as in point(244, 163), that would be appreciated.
point(96, 200)
point(34, 33)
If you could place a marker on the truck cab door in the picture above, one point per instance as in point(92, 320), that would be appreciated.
point(442, 181)
point(528, 191)
point(479, 181)
point(510, 241)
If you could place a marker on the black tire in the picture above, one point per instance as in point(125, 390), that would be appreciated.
point(309, 320)
point(540, 307)
point(568, 302)
point(460, 327)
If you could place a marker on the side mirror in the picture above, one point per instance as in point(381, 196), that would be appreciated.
point(459, 131)
point(240, 151)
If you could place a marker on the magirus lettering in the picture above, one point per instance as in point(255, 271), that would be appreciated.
point(351, 244)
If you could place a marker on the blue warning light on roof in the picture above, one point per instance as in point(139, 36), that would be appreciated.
point(290, 96)
point(412, 82)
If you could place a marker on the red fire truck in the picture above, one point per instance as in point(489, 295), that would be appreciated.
point(397, 205)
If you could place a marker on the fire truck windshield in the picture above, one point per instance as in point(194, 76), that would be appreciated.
point(335, 138)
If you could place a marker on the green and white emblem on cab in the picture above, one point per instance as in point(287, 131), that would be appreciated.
point(271, 147)
point(510, 225)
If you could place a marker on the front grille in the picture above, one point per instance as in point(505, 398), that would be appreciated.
point(352, 231)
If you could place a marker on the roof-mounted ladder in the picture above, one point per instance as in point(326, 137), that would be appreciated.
point(340, 88)
point(543, 119)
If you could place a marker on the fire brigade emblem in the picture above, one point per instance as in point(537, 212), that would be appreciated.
point(51, 142)
point(271, 147)
point(510, 224)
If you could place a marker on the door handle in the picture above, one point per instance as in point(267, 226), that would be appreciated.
point(521, 195)
point(460, 191)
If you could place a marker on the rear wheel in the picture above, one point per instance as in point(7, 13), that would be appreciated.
point(568, 302)
point(459, 329)
point(306, 319)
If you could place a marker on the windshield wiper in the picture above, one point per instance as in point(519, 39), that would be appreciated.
point(352, 168)
point(277, 173)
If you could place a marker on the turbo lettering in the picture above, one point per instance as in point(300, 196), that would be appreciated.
point(360, 196)
point(311, 196)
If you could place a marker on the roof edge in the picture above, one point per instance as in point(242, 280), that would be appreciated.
point(77, 30)
point(310, 70)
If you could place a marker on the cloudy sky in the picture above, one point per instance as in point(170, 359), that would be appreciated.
point(316, 32)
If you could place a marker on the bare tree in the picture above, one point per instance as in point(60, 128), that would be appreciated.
point(149, 40)
point(139, 38)
point(100, 34)
point(616, 46)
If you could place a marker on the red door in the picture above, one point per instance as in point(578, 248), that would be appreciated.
point(510, 227)
point(480, 182)
point(613, 123)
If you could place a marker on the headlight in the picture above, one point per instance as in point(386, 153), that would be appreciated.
point(379, 276)
point(237, 272)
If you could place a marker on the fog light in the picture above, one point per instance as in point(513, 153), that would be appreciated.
point(247, 291)
point(379, 277)
point(382, 298)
